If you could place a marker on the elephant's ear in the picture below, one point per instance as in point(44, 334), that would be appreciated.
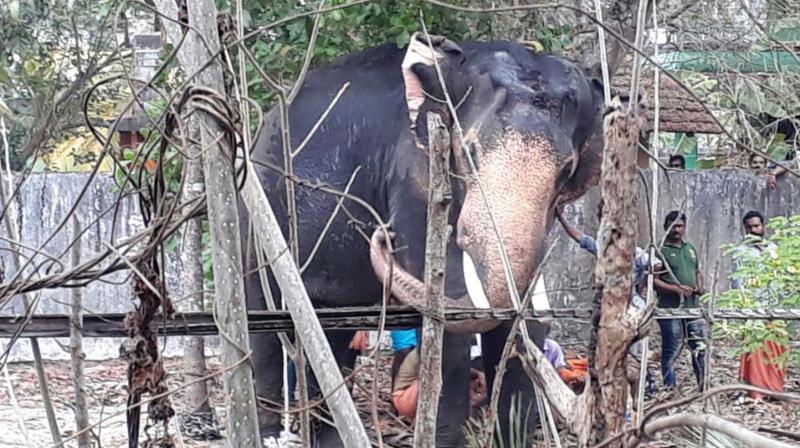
point(423, 88)
point(590, 158)
point(587, 174)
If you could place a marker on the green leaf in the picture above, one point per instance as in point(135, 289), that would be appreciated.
point(4, 78)
point(402, 39)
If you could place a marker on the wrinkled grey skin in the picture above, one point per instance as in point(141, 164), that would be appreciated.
point(526, 119)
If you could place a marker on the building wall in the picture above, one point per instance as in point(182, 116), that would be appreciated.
point(713, 200)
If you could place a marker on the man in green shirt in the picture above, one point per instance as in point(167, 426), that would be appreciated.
point(679, 287)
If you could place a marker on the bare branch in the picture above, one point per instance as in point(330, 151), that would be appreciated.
point(714, 423)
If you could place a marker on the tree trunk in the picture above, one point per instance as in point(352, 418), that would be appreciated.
point(439, 195)
point(617, 324)
point(231, 307)
point(77, 355)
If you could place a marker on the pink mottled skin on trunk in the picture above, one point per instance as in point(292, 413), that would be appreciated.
point(518, 179)
point(519, 176)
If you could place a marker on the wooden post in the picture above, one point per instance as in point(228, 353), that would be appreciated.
point(617, 324)
point(77, 356)
point(439, 196)
point(307, 326)
point(242, 422)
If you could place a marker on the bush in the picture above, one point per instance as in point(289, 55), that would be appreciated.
point(769, 280)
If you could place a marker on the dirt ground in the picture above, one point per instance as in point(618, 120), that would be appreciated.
point(107, 392)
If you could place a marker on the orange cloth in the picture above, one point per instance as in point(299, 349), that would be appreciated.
point(405, 400)
point(760, 369)
point(581, 364)
point(577, 371)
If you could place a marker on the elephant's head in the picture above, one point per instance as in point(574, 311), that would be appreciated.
point(526, 120)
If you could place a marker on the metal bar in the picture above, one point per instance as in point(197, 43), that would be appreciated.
point(353, 318)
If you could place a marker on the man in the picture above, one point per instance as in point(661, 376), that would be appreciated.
point(679, 286)
point(676, 161)
point(760, 367)
point(641, 266)
point(405, 367)
point(752, 246)
point(405, 375)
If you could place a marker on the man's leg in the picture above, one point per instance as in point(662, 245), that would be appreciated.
point(695, 332)
point(671, 336)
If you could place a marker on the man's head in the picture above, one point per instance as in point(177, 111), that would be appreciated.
point(675, 223)
point(677, 161)
point(757, 162)
point(754, 223)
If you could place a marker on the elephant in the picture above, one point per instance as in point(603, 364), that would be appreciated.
point(524, 140)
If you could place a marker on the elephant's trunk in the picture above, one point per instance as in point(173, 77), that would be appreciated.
point(411, 291)
point(513, 204)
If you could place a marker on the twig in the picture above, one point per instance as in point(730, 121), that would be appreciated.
point(76, 350)
point(601, 37)
point(641, 14)
point(510, 343)
point(330, 221)
point(295, 296)
point(152, 398)
point(13, 232)
point(715, 423)
point(312, 42)
point(12, 396)
point(321, 119)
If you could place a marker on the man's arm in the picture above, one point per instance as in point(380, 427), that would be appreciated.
point(772, 177)
point(699, 289)
point(779, 170)
point(664, 287)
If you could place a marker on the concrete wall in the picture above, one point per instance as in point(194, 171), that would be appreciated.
point(45, 200)
point(714, 202)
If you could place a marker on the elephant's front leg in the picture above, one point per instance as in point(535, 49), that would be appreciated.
point(454, 405)
point(517, 385)
point(325, 436)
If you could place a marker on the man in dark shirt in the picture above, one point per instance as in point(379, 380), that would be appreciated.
point(679, 287)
